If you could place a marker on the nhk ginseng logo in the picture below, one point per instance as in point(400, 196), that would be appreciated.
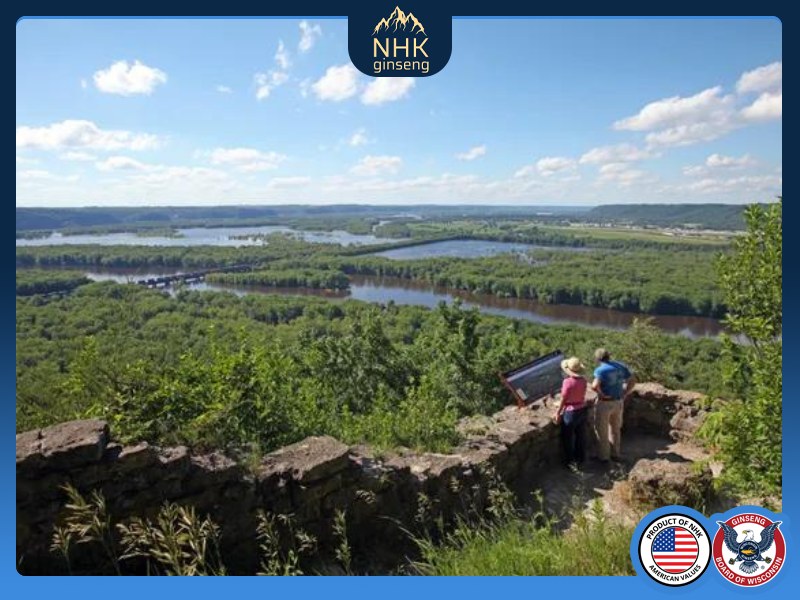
point(399, 44)
point(749, 549)
point(674, 549)
point(390, 40)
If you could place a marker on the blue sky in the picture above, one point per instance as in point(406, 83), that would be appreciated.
point(187, 112)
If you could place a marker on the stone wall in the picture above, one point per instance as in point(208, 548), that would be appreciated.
point(312, 479)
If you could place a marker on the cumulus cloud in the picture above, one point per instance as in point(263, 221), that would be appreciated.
point(614, 153)
point(679, 121)
point(749, 184)
point(359, 138)
point(223, 89)
point(73, 134)
point(266, 82)
point(282, 58)
point(766, 78)
point(126, 79)
point(711, 113)
point(246, 159)
point(308, 36)
point(472, 153)
point(377, 165)
point(550, 165)
point(121, 163)
point(720, 162)
point(337, 84)
point(768, 106)
point(387, 89)
point(622, 174)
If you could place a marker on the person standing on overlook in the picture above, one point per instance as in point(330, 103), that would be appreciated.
point(613, 382)
point(572, 412)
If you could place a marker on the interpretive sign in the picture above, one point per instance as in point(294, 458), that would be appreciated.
point(539, 378)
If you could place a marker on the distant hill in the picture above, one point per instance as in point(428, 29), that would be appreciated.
point(180, 216)
point(698, 216)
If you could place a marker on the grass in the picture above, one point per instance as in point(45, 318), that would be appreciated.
point(650, 235)
point(532, 546)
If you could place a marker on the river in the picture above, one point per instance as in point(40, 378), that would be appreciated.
point(207, 236)
point(407, 292)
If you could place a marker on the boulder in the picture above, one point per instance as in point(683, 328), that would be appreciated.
point(313, 458)
point(64, 446)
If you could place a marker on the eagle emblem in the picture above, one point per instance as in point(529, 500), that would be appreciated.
point(749, 551)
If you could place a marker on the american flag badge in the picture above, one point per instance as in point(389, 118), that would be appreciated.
point(674, 549)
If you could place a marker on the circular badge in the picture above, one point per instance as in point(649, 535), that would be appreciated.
point(674, 549)
point(749, 549)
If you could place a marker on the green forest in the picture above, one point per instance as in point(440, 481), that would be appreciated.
point(214, 369)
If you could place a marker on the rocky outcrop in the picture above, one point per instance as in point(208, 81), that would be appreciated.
point(676, 414)
point(382, 496)
point(660, 482)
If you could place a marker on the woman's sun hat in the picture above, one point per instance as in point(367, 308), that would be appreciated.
point(572, 366)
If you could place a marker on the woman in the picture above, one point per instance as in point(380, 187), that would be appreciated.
point(572, 412)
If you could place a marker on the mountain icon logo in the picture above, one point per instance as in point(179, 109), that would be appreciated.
point(400, 20)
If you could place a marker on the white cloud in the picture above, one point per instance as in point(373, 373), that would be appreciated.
point(679, 121)
point(339, 83)
point(615, 153)
point(308, 36)
point(282, 56)
point(622, 174)
point(766, 78)
point(720, 160)
point(121, 163)
point(24, 160)
point(767, 106)
point(84, 84)
point(709, 114)
point(246, 159)
point(224, 89)
point(77, 155)
point(375, 165)
point(127, 80)
point(359, 138)
point(472, 153)
point(551, 165)
point(387, 89)
point(266, 82)
point(74, 133)
point(757, 187)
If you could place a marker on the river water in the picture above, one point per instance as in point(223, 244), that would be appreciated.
point(207, 236)
point(407, 292)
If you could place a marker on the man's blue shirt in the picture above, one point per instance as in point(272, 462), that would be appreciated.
point(612, 376)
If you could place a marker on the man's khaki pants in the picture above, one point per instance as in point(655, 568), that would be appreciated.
point(608, 423)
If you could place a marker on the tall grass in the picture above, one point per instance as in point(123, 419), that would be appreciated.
point(531, 546)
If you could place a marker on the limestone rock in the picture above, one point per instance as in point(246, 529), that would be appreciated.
point(64, 446)
point(313, 458)
point(660, 482)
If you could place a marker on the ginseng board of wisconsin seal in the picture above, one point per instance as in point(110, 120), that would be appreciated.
point(674, 549)
point(749, 549)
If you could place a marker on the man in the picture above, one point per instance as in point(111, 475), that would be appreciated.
point(613, 382)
